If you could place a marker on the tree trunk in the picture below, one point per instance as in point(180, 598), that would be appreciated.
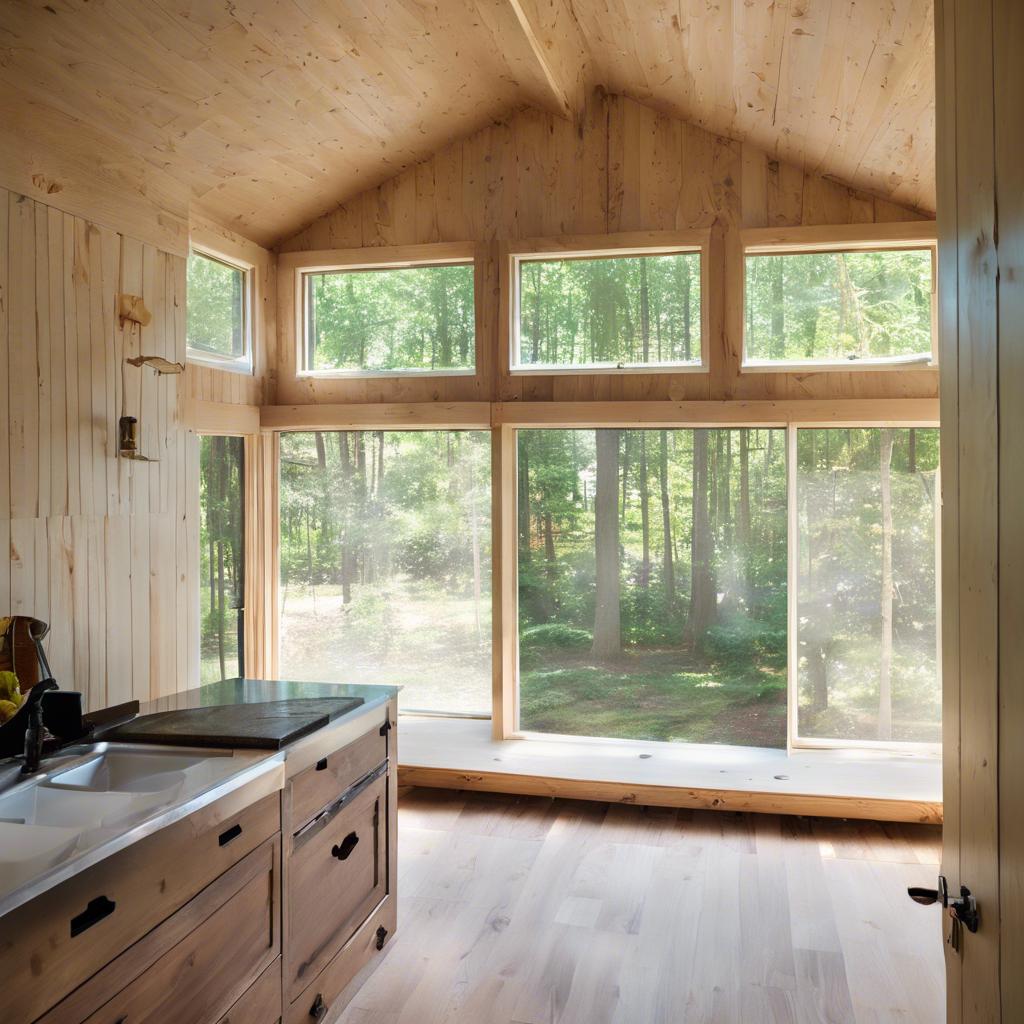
point(778, 309)
point(346, 517)
point(666, 527)
point(607, 632)
point(702, 584)
point(524, 500)
point(645, 313)
point(885, 670)
point(645, 514)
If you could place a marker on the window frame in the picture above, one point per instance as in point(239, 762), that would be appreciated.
point(606, 246)
point(302, 265)
point(895, 237)
point(245, 363)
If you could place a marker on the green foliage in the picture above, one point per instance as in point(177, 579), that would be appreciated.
point(554, 635)
point(215, 316)
point(742, 643)
point(221, 555)
point(627, 310)
point(385, 562)
point(824, 306)
point(412, 318)
point(840, 582)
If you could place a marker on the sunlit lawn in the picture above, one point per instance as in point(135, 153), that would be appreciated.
point(652, 695)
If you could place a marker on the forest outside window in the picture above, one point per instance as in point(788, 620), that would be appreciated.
point(219, 313)
point(652, 576)
point(385, 563)
point(388, 320)
point(607, 311)
point(865, 656)
point(221, 558)
point(849, 308)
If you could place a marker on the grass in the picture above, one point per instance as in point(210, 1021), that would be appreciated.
point(652, 695)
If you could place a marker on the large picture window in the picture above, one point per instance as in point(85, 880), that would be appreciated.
point(846, 307)
point(652, 584)
point(218, 313)
point(867, 507)
point(385, 563)
point(389, 320)
point(221, 557)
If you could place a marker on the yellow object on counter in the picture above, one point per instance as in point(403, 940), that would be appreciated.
point(8, 709)
point(10, 691)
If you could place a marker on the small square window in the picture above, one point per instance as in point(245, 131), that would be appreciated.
point(218, 322)
point(842, 308)
point(392, 320)
point(610, 312)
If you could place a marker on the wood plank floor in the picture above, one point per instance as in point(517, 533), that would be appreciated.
point(526, 910)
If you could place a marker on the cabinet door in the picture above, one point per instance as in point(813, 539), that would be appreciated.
point(198, 979)
point(337, 876)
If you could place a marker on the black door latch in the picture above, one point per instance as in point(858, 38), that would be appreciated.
point(963, 907)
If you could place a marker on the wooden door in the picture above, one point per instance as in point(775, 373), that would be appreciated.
point(980, 171)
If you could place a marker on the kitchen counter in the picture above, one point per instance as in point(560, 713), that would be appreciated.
point(203, 776)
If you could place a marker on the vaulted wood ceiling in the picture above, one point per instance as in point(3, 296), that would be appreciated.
point(271, 112)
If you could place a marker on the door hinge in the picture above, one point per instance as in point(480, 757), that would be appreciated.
point(964, 908)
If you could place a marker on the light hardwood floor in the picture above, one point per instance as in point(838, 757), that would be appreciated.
point(526, 910)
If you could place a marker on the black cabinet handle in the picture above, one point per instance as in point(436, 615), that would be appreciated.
point(97, 909)
point(347, 845)
point(321, 765)
point(232, 833)
point(319, 1007)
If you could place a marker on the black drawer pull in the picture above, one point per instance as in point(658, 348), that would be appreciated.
point(319, 1007)
point(382, 937)
point(348, 844)
point(321, 765)
point(97, 909)
point(232, 833)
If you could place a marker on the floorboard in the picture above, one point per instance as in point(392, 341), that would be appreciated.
point(530, 910)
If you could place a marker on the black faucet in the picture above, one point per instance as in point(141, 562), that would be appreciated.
point(34, 729)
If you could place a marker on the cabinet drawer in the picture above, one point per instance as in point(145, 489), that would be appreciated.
point(337, 876)
point(200, 978)
point(69, 933)
point(324, 782)
point(261, 1003)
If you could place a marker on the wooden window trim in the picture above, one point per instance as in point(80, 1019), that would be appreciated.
point(294, 266)
point(885, 237)
point(619, 244)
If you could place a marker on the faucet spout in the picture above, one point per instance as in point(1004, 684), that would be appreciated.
point(35, 731)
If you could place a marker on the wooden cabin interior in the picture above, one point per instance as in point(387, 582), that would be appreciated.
point(512, 512)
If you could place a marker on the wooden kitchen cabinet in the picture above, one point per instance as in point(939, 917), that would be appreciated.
point(257, 909)
point(340, 870)
point(72, 931)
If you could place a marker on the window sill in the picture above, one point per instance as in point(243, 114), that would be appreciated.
point(460, 753)
point(594, 369)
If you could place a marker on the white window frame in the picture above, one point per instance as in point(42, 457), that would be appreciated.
point(232, 364)
point(612, 246)
point(388, 258)
point(896, 237)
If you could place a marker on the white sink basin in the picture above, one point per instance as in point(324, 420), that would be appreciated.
point(128, 771)
point(44, 805)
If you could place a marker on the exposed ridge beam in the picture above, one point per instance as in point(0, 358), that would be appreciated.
point(559, 50)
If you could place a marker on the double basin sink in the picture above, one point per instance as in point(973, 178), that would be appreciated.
point(90, 795)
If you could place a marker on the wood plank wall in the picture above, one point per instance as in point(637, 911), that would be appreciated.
point(625, 167)
point(104, 549)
